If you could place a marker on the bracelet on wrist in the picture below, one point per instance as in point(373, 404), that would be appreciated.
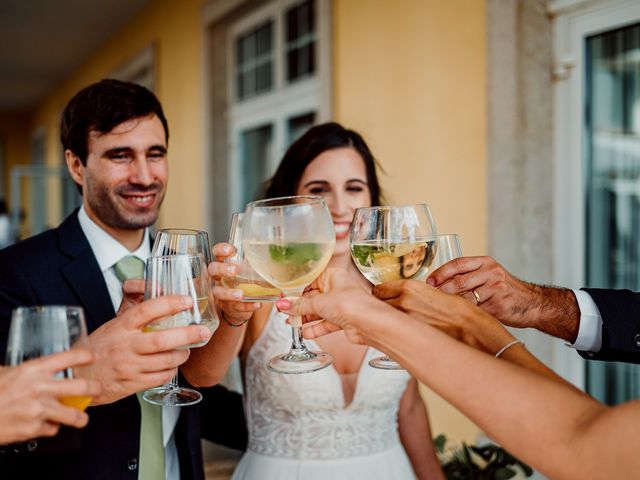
point(231, 324)
point(508, 346)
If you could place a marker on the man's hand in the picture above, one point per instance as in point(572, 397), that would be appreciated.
point(29, 393)
point(128, 360)
point(512, 301)
point(132, 294)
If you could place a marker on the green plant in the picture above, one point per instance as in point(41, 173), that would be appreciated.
point(472, 462)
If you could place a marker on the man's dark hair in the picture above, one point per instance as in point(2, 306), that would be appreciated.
point(101, 107)
point(303, 151)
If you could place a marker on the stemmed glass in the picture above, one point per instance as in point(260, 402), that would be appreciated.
point(255, 288)
point(39, 331)
point(179, 275)
point(289, 242)
point(182, 241)
point(392, 243)
point(447, 248)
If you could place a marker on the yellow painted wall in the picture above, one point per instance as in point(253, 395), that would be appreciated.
point(174, 28)
point(14, 133)
point(410, 75)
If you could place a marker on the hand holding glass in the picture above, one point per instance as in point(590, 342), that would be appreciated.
point(392, 243)
point(39, 331)
point(289, 242)
point(179, 275)
point(255, 288)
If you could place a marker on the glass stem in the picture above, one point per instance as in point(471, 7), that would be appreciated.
point(173, 384)
point(296, 334)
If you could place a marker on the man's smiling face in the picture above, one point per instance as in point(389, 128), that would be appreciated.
point(125, 176)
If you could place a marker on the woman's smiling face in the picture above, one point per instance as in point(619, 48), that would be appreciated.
point(340, 177)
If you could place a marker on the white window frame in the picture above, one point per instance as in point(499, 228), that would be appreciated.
point(143, 61)
point(575, 21)
point(285, 100)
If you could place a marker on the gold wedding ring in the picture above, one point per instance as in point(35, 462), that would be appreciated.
point(476, 295)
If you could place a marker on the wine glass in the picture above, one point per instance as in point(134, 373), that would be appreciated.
point(179, 275)
point(447, 248)
point(182, 241)
point(289, 242)
point(39, 331)
point(255, 288)
point(392, 243)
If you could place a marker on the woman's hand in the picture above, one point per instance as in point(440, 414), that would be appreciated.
point(229, 299)
point(326, 306)
point(449, 313)
point(29, 393)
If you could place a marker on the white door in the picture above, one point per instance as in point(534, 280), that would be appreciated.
point(597, 161)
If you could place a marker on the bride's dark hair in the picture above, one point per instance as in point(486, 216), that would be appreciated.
point(312, 143)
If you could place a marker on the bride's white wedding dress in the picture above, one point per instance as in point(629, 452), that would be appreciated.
point(299, 426)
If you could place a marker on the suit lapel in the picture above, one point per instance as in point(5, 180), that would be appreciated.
point(83, 273)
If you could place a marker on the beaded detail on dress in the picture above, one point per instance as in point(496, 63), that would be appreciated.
point(303, 416)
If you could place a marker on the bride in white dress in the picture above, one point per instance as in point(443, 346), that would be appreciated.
point(347, 421)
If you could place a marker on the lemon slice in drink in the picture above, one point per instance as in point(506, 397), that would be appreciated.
point(386, 266)
point(253, 290)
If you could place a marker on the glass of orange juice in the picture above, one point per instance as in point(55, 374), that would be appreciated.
point(43, 330)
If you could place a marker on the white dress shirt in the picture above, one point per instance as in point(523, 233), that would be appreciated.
point(108, 251)
point(590, 331)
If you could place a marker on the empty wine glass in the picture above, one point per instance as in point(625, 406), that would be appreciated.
point(289, 242)
point(447, 248)
point(39, 331)
point(255, 288)
point(182, 241)
point(392, 243)
point(179, 275)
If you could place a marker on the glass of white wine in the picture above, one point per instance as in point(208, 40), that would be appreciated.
point(39, 331)
point(179, 275)
point(255, 288)
point(289, 242)
point(393, 243)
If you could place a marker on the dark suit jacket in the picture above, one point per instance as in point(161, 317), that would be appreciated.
point(59, 267)
point(620, 311)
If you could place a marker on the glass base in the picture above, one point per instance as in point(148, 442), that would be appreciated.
point(257, 298)
point(172, 397)
point(385, 363)
point(300, 362)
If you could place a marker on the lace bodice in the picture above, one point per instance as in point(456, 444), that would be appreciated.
point(304, 417)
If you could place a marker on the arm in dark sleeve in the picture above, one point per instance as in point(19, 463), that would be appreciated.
point(620, 311)
point(222, 418)
point(15, 291)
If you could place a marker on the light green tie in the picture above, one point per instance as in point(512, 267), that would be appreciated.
point(151, 454)
point(129, 267)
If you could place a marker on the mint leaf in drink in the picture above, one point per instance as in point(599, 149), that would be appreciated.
point(295, 253)
point(363, 254)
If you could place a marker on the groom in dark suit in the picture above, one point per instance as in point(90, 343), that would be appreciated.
point(115, 138)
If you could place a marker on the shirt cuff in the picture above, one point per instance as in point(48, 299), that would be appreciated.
point(590, 331)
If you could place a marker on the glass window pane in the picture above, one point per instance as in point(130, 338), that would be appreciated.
point(254, 61)
point(256, 147)
point(296, 126)
point(613, 186)
point(300, 41)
